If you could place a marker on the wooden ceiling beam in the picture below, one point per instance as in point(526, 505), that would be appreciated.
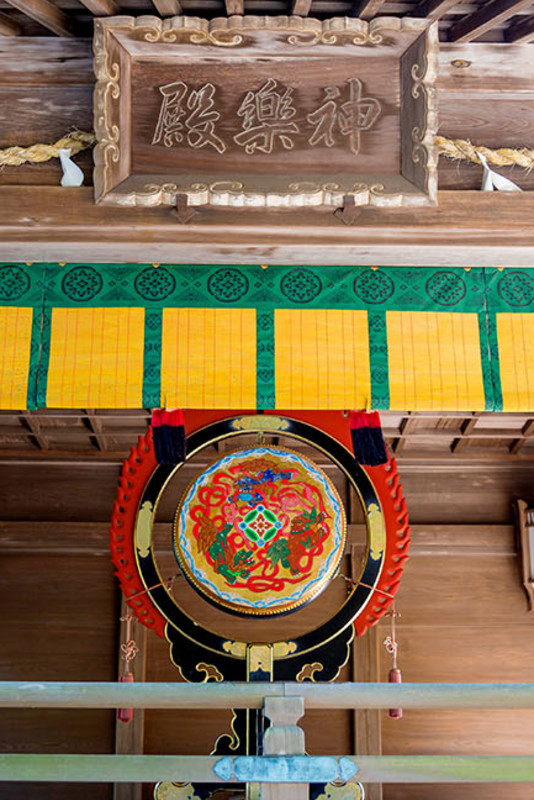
point(168, 8)
point(433, 9)
point(46, 14)
point(301, 8)
point(34, 430)
point(526, 433)
point(8, 27)
point(100, 8)
point(466, 428)
point(367, 9)
point(404, 429)
point(522, 31)
point(488, 16)
point(234, 7)
point(95, 426)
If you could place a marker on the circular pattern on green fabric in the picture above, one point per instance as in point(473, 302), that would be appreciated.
point(155, 283)
point(516, 288)
point(14, 282)
point(446, 288)
point(82, 284)
point(228, 285)
point(301, 286)
point(373, 286)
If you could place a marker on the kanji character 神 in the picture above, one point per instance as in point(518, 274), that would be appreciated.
point(355, 114)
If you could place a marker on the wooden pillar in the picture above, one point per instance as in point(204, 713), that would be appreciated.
point(129, 735)
point(366, 667)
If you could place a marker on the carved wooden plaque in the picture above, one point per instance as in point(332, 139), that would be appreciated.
point(265, 111)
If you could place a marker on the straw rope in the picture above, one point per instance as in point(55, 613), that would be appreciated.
point(38, 153)
point(458, 149)
point(464, 150)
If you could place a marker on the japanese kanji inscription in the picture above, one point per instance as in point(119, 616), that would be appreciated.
point(280, 111)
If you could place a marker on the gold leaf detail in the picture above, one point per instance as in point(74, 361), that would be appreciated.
point(262, 422)
point(282, 649)
point(377, 531)
point(346, 791)
point(174, 791)
point(237, 649)
point(143, 529)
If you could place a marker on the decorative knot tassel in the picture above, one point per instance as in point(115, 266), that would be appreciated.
point(125, 714)
point(395, 676)
point(367, 441)
point(169, 436)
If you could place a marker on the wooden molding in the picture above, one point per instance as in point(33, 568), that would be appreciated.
point(525, 547)
point(475, 228)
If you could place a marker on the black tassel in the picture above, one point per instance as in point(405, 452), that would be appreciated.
point(367, 440)
point(168, 436)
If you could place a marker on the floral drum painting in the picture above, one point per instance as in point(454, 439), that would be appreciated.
point(261, 531)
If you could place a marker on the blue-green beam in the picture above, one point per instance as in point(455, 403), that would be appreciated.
point(267, 769)
point(17, 694)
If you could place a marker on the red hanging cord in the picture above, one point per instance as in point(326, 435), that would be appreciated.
point(392, 646)
point(129, 650)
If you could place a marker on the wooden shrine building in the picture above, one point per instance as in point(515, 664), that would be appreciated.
point(231, 232)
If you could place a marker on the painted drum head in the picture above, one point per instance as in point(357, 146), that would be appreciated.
point(261, 531)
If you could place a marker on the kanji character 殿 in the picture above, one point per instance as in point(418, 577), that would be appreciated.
point(351, 115)
point(188, 117)
point(267, 116)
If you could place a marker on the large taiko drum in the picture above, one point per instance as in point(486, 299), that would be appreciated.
point(261, 531)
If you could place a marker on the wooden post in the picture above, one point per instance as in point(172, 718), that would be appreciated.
point(129, 735)
point(286, 738)
point(366, 667)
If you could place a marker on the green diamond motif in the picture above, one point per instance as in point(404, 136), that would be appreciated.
point(260, 525)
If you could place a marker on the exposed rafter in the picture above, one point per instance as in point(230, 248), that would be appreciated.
point(526, 431)
point(367, 9)
point(100, 8)
point(301, 8)
point(433, 9)
point(45, 13)
point(466, 428)
point(32, 423)
point(522, 31)
point(168, 8)
point(8, 27)
point(234, 7)
point(488, 16)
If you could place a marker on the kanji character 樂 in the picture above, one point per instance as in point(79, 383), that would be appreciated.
point(267, 116)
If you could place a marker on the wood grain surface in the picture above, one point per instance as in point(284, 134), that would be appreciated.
point(488, 101)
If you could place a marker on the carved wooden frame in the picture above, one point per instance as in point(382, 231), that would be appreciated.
point(418, 109)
